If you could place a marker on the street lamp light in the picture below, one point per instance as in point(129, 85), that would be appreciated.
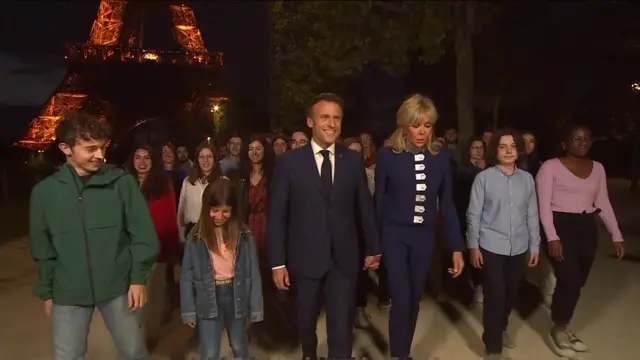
point(216, 107)
point(635, 86)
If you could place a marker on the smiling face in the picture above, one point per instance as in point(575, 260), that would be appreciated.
point(220, 214)
point(167, 155)
point(86, 156)
point(299, 139)
point(234, 145)
point(325, 123)
point(183, 153)
point(205, 160)
point(256, 152)
point(142, 161)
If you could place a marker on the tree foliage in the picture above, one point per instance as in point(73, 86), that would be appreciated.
point(315, 44)
point(318, 43)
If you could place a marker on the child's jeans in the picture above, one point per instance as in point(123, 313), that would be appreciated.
point(210, 330)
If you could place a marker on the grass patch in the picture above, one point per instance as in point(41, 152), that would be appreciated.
point(14, 219)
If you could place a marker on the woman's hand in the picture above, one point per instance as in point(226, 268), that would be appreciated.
point(458, 264)
point(555, 250)
point(619, 249)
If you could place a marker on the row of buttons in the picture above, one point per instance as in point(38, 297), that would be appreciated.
point(419, 209)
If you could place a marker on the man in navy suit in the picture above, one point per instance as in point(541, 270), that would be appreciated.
point(318, 197)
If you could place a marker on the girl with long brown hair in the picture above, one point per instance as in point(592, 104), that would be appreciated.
point(220, 283)
point(203, 172)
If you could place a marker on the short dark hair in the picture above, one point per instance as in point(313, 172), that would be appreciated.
point(77, 126)
point(327, 96)
point(280, 136)
point(301, 130)
point(565, 135)
point(491, 154)
point(233, 135)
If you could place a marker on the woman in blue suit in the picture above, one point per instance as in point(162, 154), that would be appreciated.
point(411, 179)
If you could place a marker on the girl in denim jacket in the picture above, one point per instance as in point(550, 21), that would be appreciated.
point(220, 285)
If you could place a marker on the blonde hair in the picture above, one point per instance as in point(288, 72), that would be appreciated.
point(412, 110)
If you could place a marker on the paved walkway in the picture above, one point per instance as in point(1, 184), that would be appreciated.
point(607, 319)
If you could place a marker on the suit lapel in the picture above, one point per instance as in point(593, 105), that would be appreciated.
point(311, 167)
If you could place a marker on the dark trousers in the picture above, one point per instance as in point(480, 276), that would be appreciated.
point(579, 238)
point(364, 281)
point(338, 292)
point(407, 253)
point(501, 276)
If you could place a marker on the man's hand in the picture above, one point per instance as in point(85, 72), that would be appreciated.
point(458, 264)
point(476, 258)
point(372, 262)
point(137, 296)
point(533, 260)
point(281, 278)
point(48, 305)
point(192, 324)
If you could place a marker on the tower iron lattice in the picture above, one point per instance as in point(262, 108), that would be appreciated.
point(114, 77)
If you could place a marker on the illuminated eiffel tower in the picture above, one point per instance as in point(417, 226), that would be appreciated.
point(114, 77)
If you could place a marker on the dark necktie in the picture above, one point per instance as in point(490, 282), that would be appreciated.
point(325, 173)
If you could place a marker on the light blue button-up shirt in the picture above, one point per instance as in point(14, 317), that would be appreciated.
point(503, 213)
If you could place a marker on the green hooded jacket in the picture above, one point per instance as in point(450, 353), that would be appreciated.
point(90, 241)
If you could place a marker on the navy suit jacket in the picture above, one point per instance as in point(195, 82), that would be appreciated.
point(303, 226)
point(396, 194)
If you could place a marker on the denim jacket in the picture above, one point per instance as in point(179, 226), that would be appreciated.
point(197, 282)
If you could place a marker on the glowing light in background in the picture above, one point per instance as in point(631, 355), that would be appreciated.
point(216, 107)
point(635, 86)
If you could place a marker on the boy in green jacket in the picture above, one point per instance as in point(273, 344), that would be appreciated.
point(94, 241)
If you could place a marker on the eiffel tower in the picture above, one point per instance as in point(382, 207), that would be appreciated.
point(114, 77)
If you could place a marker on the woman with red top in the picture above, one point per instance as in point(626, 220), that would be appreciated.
point(156, 187)
point(256, 164)
point(254, 173)
point(368, 150)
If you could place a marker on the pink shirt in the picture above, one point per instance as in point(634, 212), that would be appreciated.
point(222, 263)
point(560, 190)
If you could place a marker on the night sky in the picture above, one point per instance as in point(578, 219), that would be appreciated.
point(565, 53)
point(33, 36)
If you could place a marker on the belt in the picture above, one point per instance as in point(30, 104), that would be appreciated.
point(224, 282)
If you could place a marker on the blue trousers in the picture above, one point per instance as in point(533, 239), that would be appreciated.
point(407, 253)
point(70, 329)
point(210, 330)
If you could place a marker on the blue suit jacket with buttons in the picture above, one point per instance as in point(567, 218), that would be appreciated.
point(409, 187)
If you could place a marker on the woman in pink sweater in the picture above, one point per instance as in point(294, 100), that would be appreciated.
point(572, 190)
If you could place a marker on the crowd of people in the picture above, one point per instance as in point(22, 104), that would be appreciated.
point(266, 230)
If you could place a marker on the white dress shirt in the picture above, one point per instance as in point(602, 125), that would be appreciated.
point(319, 159)
point(189, 205)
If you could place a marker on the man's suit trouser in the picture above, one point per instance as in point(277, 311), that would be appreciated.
point(338, 292)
